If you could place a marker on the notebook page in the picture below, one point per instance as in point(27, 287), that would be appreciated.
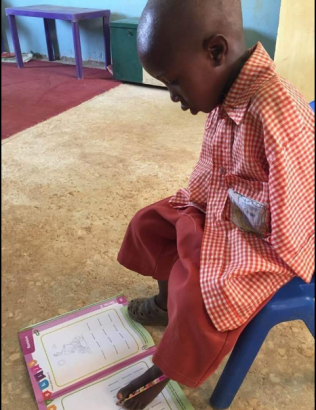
point(101, 394)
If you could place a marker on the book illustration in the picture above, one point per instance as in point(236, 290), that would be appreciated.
point(78, 344)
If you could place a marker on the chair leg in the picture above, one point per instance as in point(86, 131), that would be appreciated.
point(239, 363)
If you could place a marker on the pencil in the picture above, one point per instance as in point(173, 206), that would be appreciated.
point(144, 388)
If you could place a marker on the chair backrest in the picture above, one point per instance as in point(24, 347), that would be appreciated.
point(312, 104)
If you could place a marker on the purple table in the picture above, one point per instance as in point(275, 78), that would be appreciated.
point(73, 14)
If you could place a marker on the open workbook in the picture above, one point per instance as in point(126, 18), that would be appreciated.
point(79, 361)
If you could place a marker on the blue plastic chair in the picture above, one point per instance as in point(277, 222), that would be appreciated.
point(295, 301)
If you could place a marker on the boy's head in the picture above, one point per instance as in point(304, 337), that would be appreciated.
point(193, 47)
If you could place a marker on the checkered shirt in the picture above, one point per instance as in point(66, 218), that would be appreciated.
point(260, 143)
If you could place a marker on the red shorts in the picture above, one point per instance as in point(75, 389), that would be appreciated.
point(165, 243)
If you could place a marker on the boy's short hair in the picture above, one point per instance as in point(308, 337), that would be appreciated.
point(168, 22)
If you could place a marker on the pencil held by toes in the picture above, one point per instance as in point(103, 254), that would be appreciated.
point(142, 389)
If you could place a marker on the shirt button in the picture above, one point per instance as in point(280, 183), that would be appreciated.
point(222, 171)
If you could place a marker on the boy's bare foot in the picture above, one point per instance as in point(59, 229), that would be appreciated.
point(142, 400)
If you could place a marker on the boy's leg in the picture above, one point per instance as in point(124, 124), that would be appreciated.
point(189, 229)
point(162, 297)
point(149, 246)
point(191, 348)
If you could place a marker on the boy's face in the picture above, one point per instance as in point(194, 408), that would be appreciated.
point(193, 80)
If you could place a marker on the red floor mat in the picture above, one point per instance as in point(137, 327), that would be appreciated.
point(42, 90)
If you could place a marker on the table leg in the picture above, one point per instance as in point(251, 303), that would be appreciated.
point(16, 42)
point(107, 41)
point(50, 49)
point(77, 46)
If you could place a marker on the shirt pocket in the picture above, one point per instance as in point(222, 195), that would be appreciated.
point(249, 207)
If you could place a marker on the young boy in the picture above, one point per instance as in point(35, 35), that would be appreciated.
point(244, 227)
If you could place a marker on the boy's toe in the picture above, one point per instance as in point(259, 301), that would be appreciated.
point(131, 404)
point(123, 393)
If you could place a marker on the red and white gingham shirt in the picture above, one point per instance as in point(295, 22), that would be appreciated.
point(260, 143)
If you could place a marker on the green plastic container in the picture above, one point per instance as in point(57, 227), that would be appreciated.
point(126, 65)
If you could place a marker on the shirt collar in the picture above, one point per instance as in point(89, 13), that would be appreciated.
point(258, 69)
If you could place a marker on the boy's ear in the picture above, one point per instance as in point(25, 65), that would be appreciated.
point(216, 47)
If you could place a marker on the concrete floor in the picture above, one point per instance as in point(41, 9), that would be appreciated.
point(70, 187)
